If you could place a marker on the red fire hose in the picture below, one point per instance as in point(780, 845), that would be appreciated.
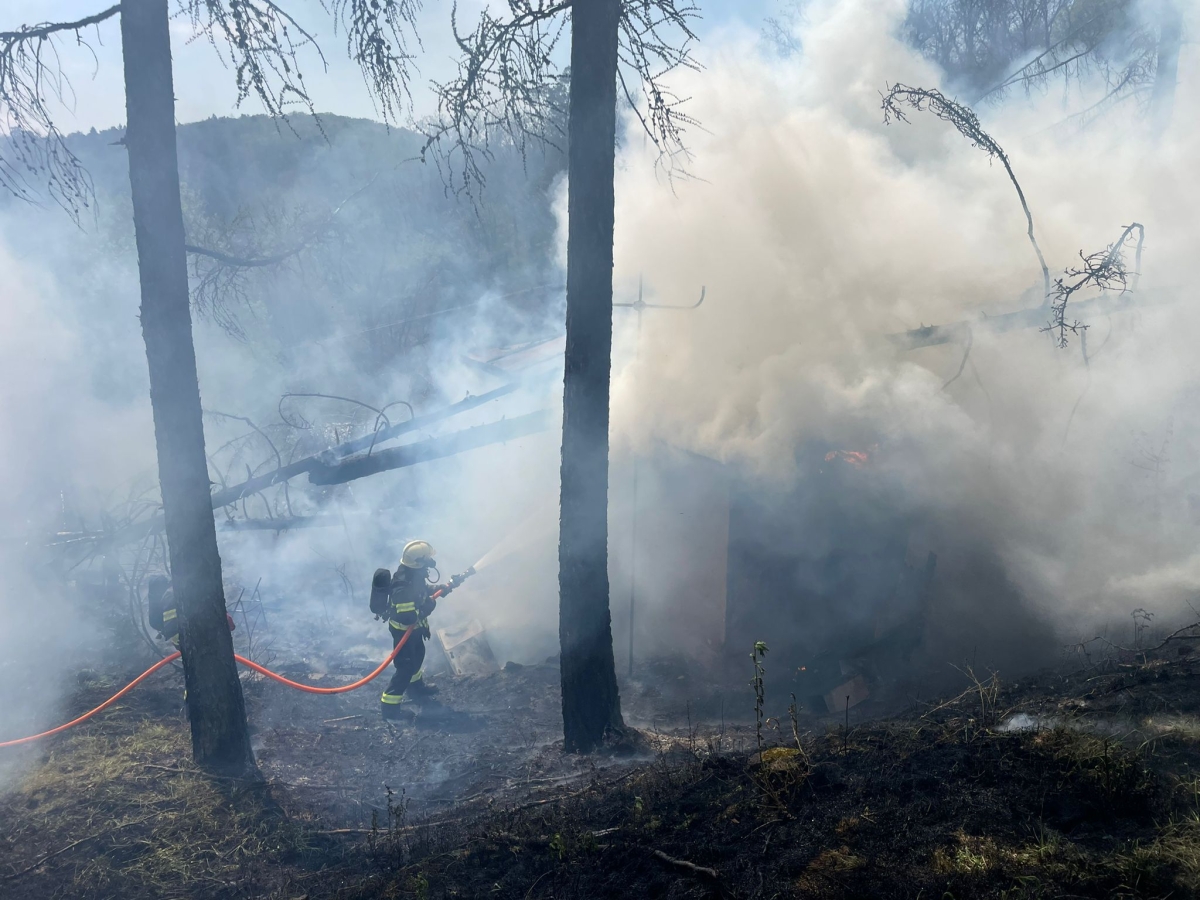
point(308, 688)
point(105, 705)
point(245, 662)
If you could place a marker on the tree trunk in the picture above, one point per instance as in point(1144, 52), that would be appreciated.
point(1166, 69)
point(591, 704)
point(220, 739)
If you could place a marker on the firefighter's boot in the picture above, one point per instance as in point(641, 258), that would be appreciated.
point(396, 710)
point(394, 705)
point(419, 688)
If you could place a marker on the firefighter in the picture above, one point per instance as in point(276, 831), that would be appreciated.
point(163, 616)
point(160, 599)
point(405, 598)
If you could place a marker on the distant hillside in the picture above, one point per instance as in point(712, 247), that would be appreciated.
point(400, 245)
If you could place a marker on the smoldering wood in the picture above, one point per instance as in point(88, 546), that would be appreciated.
point(354, 468)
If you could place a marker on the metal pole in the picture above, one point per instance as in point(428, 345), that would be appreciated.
point(640, 304)
point(633, 549)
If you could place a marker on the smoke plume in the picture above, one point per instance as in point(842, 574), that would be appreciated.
point(1059, 487)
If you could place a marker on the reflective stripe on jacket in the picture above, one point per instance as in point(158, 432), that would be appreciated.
point(410, 595)
point(170, 618)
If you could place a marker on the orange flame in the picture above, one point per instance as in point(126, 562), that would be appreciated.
point(856, 458)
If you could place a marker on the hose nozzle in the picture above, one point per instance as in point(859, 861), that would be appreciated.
point(456, 580)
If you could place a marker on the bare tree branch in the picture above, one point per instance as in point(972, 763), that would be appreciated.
point(31, 75)
point(966, 356)
point(377, 35)
point(261, 42)
point(967, 124)
point(1103, 270)
point(224, 254)
point(510, 88)
point(991, 48)
point(242, 262)
point(270, 443)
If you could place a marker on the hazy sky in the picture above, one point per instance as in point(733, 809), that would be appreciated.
point(203, 87)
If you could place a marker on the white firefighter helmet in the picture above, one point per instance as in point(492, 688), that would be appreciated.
point(417, 555)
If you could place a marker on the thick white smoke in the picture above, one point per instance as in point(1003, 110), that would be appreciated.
point(817, 230)
point(67, 438)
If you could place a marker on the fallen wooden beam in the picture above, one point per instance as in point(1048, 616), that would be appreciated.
point(434, 448)
point(280, 523)
point(234, 493)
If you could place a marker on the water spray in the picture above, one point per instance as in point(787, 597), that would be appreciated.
point(518, 538)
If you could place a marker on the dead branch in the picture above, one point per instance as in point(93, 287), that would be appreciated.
point(955, 332)
point(434, 448)
point(377, 34)
point(509, 87)
point(305, 424)
point(986, 692)
point(684, 866)
point(31, 73)
point(136, 530)
point(1179, 634)
point(962, 365)
point(242, 262)
point(993, 48)
point(1083, 47)
point(382, 417)
point(280, 524)
point(1103, 270)
point(74, 844)
point(47, 29)
point(260, 42)
point(967, 124)
point(224, 256)
point(270, 443)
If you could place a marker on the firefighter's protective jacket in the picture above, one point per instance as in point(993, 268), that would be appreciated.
point(410, 599)
point(164, 617)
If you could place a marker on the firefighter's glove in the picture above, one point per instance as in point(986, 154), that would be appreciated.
point(426, 607)
point(229, 619)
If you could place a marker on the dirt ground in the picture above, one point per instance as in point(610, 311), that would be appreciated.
point(1079, 782)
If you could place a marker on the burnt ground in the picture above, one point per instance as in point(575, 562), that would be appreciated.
point(1080, 782)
